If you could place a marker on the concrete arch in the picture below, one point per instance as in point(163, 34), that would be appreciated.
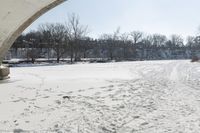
point(17, 15)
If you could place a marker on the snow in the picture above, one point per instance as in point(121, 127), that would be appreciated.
point(123, 97)
point(1, 66)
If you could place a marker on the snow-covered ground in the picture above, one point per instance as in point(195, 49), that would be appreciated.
point(125, 97)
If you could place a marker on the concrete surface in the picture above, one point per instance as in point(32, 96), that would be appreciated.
point(4, 72)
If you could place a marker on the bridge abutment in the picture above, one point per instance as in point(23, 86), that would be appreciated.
point(4, 72)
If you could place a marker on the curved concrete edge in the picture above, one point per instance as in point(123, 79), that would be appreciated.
point(7, 43)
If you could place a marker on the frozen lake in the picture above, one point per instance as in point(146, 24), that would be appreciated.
point(124, 97)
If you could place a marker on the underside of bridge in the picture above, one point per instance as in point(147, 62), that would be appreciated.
point(16, 16)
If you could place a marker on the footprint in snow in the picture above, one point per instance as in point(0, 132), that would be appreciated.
point(58, 102)
point(46, 97)
point(70, 92)
point(109, 90)
point(27, 121)
point(111, 86)
point(144, 123)
point(67, 97)
point(97, 93)
point(81, 90)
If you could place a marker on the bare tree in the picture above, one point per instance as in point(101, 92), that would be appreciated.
point(32, 54)
point(125, 40)
point(107, 39)
point(32, 43)
point(136, 36)
point(76, 32)
point(111, 40)
point(177, 40)
point(44, 30)
point(148, 40)
point(56, 35)
point(159, 40)
point(190, 41)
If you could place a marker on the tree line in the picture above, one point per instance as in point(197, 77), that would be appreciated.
point(71, 40)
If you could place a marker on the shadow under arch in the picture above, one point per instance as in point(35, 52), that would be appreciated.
point(10, 29)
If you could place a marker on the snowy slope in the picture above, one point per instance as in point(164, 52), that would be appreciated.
point(141, 97)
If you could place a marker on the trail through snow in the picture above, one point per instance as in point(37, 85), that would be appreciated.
point(125, 97)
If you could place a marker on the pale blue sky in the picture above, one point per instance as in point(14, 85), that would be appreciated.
point(150, 16)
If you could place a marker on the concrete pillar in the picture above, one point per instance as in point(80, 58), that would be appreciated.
point(4, 72)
